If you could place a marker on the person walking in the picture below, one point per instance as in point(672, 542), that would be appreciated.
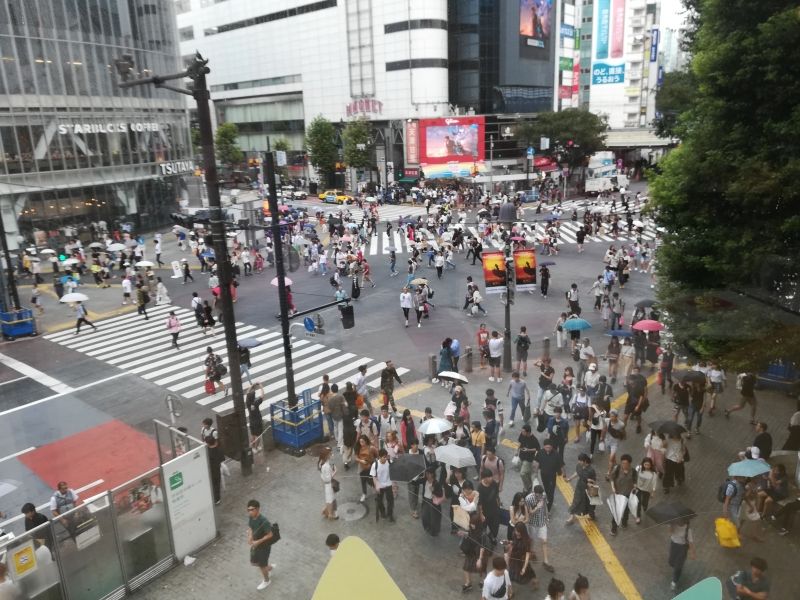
point(162, 294)
point(406, 303)
point(142, 298)
point(244, 363)
point(338, 413)
point(432, 501)
point(174, 328)
point(681, 545)
point(254, 418)
point(495, 356)
point(585, 490)
point(210, 436)
point(528, 447)
point(327, 472)
point(259, 535)
point(623, 481)
point(388, 377)
point(82, 317)
point(215, 370)
point(519, 556)
point(474, 545)
point(497, 583)
point(365, 454)
point(522, 343)
point(418, 302)
point(384, 500)
point(674, 456)
point(550, 467)
point(520, 397)
point(746, 382)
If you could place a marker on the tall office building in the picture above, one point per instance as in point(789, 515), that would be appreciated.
point(74, 148)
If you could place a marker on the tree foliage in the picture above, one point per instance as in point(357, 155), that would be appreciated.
point(674, 98)
point(728, 196)
point(281, 145)
point(584, 129)
point(357, 140)
point(321, 144)
point(225, 145)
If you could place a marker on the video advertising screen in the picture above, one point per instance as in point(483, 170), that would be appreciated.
point(535, 23)
point(452, 139)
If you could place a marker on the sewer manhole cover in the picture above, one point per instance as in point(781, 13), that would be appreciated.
point(352, 511)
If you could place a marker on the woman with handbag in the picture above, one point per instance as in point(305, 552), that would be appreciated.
point(432, 500)
point(476, 549)
point(327, 472)
point(675, 454)
point(519, 557)
point(585, 489)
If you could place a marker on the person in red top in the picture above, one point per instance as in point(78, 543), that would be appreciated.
point(367, 270)
point(483, 344)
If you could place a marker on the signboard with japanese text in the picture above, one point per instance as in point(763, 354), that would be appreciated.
point(412, 142)
point(608, 66)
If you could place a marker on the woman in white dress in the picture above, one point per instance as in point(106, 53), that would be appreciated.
point(327, 472)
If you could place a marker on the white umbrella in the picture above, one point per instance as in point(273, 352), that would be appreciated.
point(455, 456)
point(452, 376)
point(47, 251)
point(638, 223)
point(617, 504)
point(95, 245)
point(32, 250)
point(286, 281)
point(145, 263)
point(115, 247)
point(70, 261)
point(435, 425)
point(74, 297)
point(371, 199)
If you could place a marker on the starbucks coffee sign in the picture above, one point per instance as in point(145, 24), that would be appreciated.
point(108, 127)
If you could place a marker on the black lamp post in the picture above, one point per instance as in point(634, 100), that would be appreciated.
point(507, 216)
point(197, 73)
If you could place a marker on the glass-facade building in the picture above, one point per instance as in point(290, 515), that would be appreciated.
point(74, 147)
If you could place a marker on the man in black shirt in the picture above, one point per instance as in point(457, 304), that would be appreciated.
point(388, 377)
point(550, 467)
point(33, 519)
point(528, 446)
point(747, 382)
point(636, 386)
point(763, 440)
point(680, 398)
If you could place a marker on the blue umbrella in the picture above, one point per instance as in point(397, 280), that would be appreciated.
point(620, 333)
point(577, 325)
point(551, 218)
point(748, 468)
point(249, 343)
point(207, 254)
point(708, 589)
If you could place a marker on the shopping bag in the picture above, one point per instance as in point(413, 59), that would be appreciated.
point(461, 518)
point(633, 504)
point(726, 532)
point(210, 387)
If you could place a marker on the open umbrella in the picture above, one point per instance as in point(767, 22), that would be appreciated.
point(648, 325)
point(748, 468)
point(646, 303)
point(116, 247)
point(708, 589)
point(95, 245)
point(617, 503)
point(692, 377)
point(74, 297)
point(576, 325)
point(145, 263)
point(435, 425)
point(70, 262)
point(286, 281)
point(406, 467)
point(452, 376)
point(669, 428)
point(455, 456)
point(547, 263)
point(419, 281)
point(47, 251)
point(669, 511)
point(208, 253)
point(249, 343)
point(620, 333)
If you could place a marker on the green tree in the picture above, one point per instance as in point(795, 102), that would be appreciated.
point(197, 147)
point(321, 144)
point(673, 98)
point(728, 196)
point(281, 145)
point(357, 141)
point(583, 129)
point(227, 149)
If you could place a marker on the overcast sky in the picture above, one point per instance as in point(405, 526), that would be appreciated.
point(672, 13)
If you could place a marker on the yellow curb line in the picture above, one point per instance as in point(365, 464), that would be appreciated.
point(598, 541)
point(64, 325)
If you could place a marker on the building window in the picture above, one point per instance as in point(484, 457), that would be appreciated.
point(417, 63)
point(182, 6)
point(415, 24)
point(276, 16)
point(186, 33)
point(241, 85)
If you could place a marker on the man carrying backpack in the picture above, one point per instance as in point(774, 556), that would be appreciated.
point(366, 426)
point(215, 370)
point(732, 498)
point(386, 423)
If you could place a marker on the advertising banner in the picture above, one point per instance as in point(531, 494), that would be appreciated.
point(617, 28)
point(535, 22)
point(494, 272)
point(412, 143)
point(603, 19)
point(654, 45)
point(564, 63)
point(189, 501)
point(567, 31)
point(525, 269)
point(451, 139)
point(565, 91)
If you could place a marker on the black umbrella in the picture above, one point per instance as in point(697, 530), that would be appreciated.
point(692, 376)
point(646, 303)
point(406, 467)
point(669, 428)
point(670, 512)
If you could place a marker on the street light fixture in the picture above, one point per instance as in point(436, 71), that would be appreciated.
point(507, 216)
point(197, 71)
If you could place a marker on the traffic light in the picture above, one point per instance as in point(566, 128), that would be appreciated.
point(348, 318)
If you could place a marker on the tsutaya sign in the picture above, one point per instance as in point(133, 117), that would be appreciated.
point(109, 127)
point(176, 166)
point(364, 106)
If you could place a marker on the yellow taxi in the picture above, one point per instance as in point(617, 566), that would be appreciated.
point(335, 197)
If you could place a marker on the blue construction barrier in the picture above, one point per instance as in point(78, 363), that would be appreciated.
point(297, 427)
point(17, 323)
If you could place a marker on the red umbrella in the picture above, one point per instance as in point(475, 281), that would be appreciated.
point(648, 325)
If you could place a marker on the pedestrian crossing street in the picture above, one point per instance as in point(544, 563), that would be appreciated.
point(143, 348)
point(382, 244)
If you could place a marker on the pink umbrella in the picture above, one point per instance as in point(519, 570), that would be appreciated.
point(648, 325)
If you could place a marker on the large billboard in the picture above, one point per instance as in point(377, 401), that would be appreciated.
point(608, 65)
point(449, 139)
point(535, 23)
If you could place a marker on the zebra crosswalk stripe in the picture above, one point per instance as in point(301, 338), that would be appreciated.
point(143, 347)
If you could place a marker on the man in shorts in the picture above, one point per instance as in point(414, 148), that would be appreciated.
point(495, 356)
point(258, 536)
point(747, 384)
point(537, 525)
